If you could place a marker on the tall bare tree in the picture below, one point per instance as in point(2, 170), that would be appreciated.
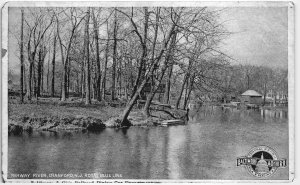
point(96, 36)
point(35, 37)
point(22, 57)
point(113, 84)
point(87, 60)
point(75, 22)
point(53, 65)
point(145, 73)
point(105, 64)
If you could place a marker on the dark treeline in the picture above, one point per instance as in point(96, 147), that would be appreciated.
point(109, 54)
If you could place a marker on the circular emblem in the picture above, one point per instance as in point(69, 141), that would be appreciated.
point(261, 164)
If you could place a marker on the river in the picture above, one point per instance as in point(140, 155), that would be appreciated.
point(205, 148)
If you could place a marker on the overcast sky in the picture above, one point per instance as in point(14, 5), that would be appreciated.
point(259, 36)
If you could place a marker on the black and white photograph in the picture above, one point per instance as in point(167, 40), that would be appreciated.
point(147, 91)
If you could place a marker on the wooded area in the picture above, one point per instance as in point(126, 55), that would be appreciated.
point(115, 54)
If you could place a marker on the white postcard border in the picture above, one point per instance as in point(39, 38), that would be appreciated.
point(291, 76)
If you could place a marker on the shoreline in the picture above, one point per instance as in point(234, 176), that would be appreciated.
point(30, 124)
point(51, 115)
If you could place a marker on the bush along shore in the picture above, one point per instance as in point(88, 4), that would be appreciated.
point(54, 117)
point(29, 124)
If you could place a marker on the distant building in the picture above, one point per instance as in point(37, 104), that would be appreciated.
point(251, 97)
point(276, 97)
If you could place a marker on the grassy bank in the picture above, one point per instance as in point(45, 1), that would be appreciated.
point(50, 114)
point(52, 107)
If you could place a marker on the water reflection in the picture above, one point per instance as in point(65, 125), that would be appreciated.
point(205, 148)
point(176, 144)
point(228, 114)
point(274, 114)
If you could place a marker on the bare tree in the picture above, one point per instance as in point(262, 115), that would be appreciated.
point(105, 64)
point(96, 35)
point(87, 60)
point(75, 22)
point(145, 74)
point(113, 86)
point(36, 34)
point(22, 57)
point(53, 66)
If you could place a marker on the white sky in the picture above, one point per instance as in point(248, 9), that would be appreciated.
point(259, 36)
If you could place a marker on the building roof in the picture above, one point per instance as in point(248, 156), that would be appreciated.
point(251, 93)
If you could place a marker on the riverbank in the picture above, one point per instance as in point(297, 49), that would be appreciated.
point(49, 114)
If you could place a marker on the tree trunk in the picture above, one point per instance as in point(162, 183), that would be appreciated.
point(42, 71)
point(64, 61)
point(68, 78)
point(39, 74)
point(87, 61)
point(98, 84)
point(132, 101)
point(142, 67)
point(34, 79)
point(120, 78)
point(82, 80)
point(168, 85)
point(126, 88)
point(64, 80)
point(186, 92)
point(29, 89)
point(48, 71)
point(105, 66)
point(53, 68)
point(190, 88)
point(146, 109)
point(181, 91)
point(22, 57)
point(170, 63)
point(113, 76)
point(95, 87)
point(24, 78)
point(77, 85)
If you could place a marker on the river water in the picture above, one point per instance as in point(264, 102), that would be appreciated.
point(205, 148)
